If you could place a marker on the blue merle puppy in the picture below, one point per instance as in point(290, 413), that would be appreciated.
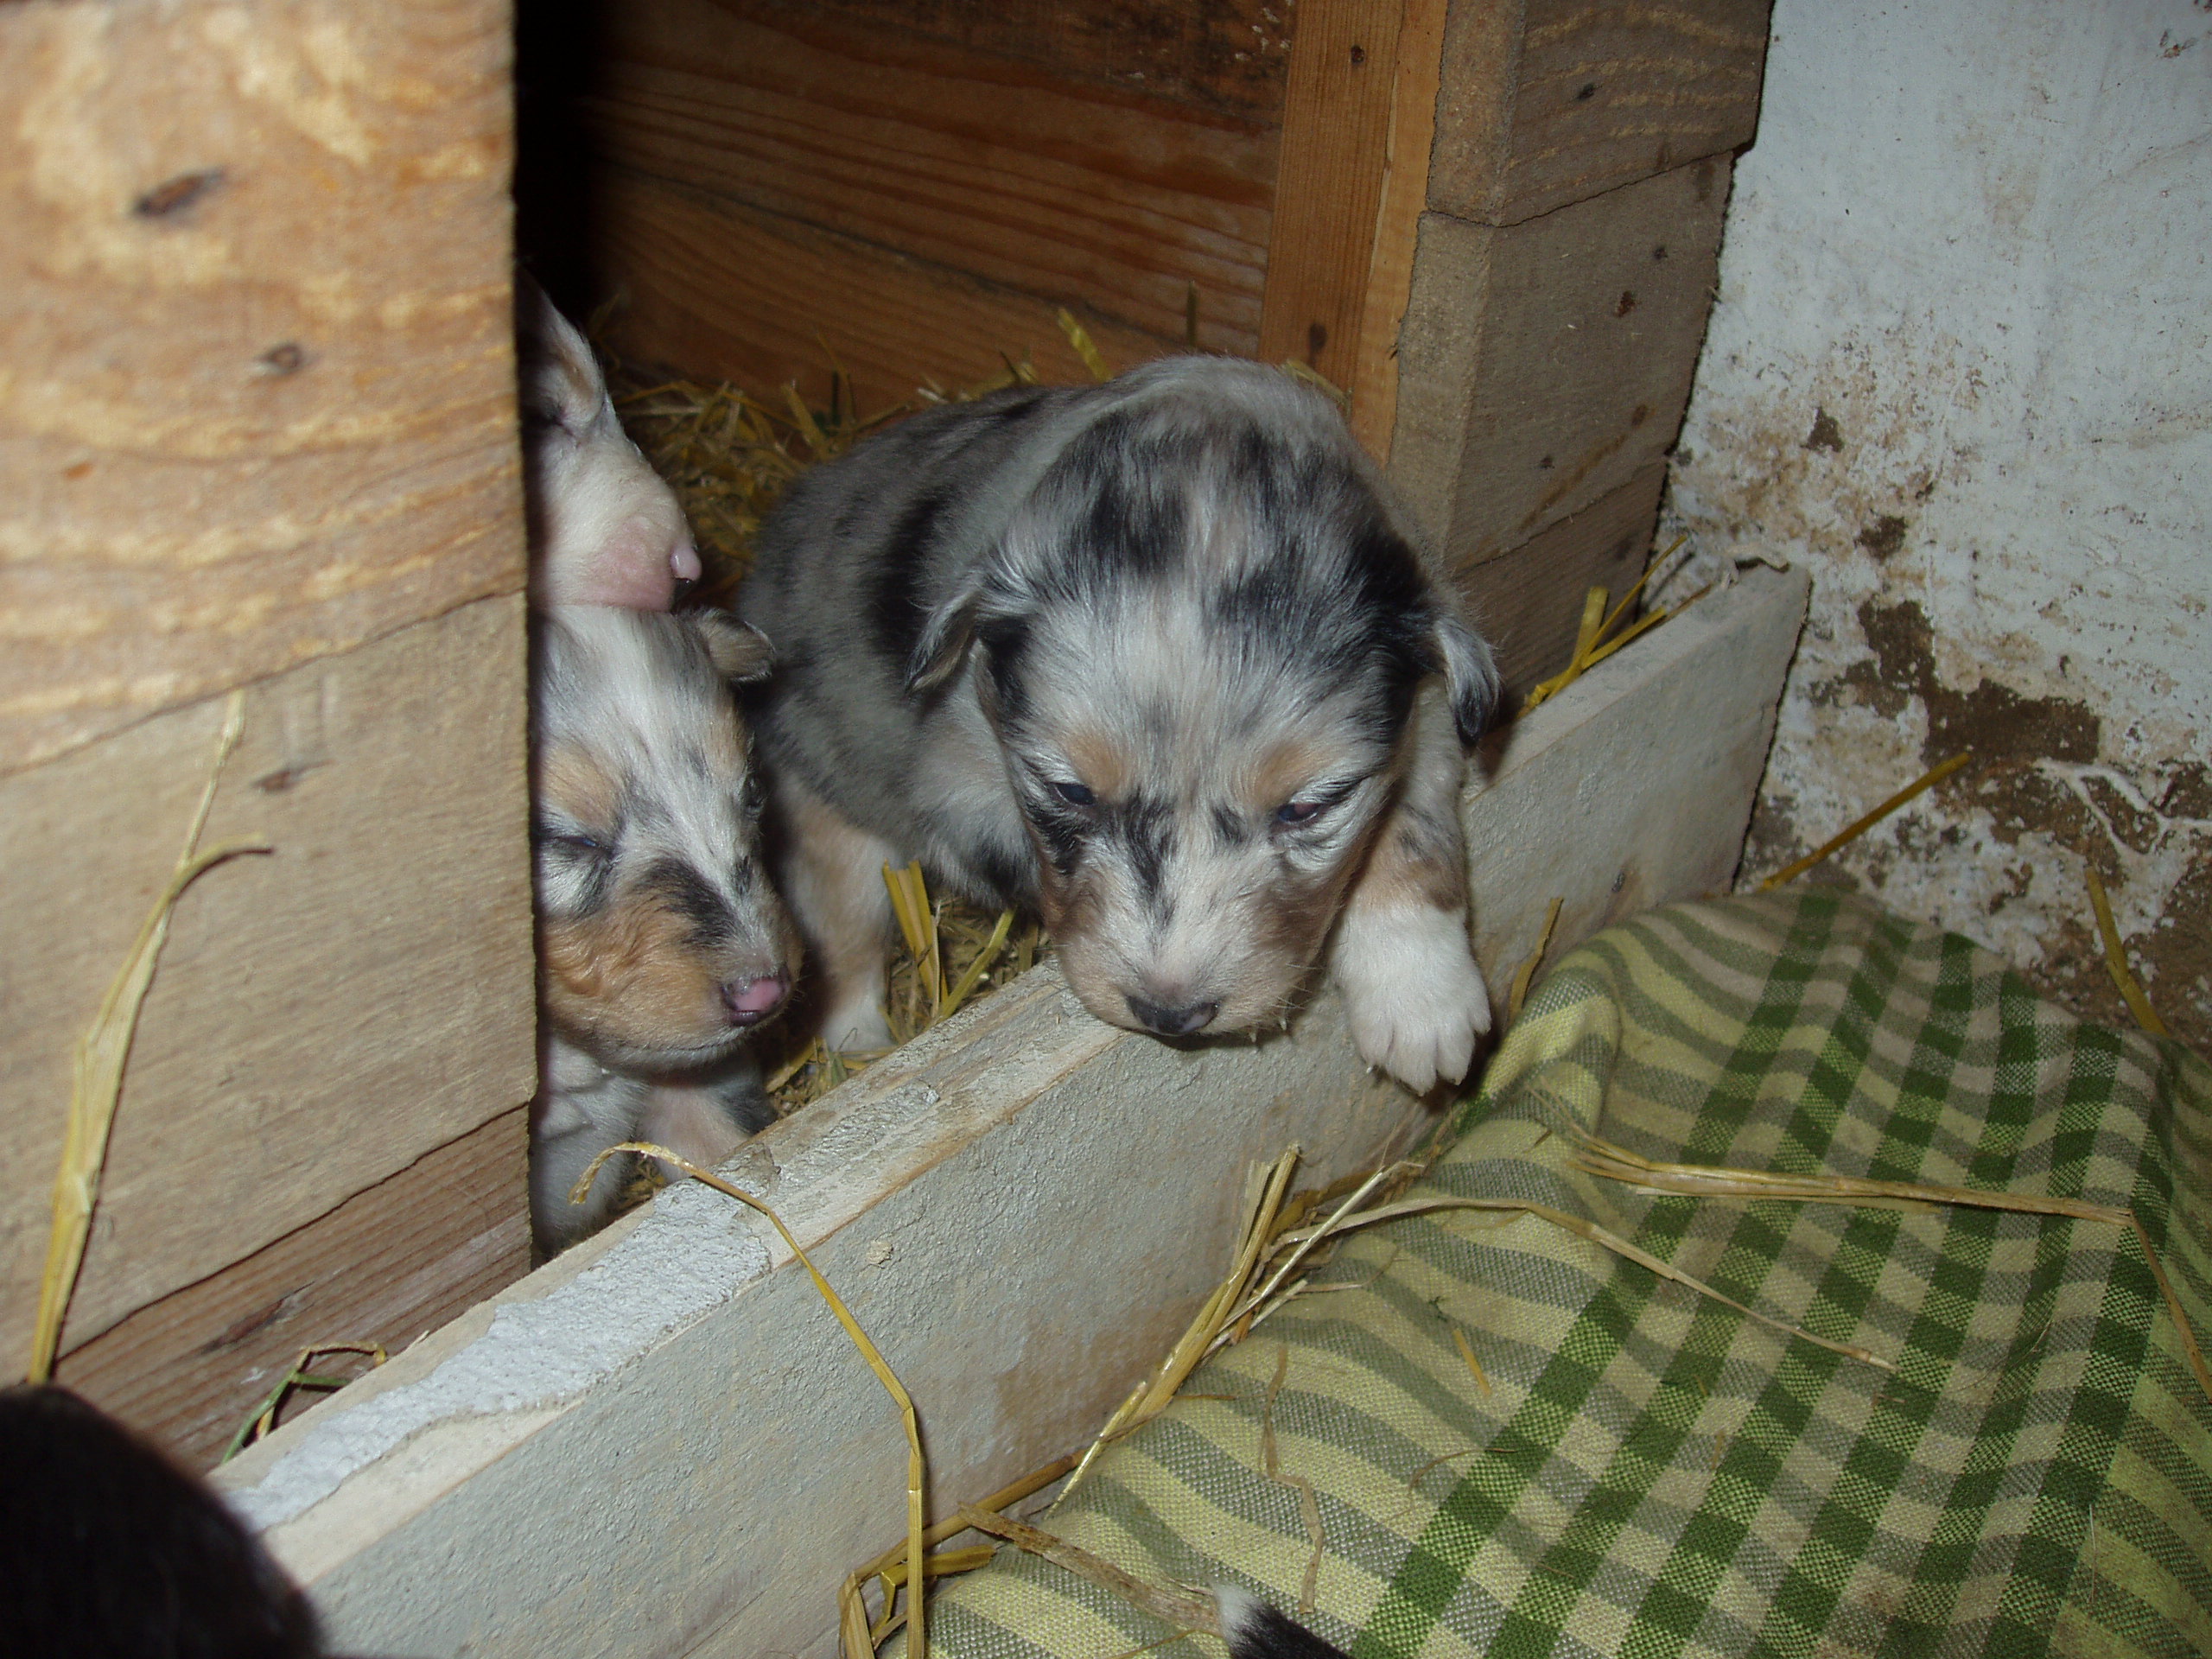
point(661, 944)
point(1158, 660)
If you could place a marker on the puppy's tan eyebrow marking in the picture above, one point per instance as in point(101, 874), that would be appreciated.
point(572, 778)
point(1100, 761)
point(1281, 771)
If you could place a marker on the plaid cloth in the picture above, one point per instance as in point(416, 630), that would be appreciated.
point(1640, 1470)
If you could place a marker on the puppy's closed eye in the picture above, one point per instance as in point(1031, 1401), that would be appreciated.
point(572, 841)
point(1305, 809)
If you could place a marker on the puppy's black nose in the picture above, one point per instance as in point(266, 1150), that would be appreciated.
point(1174, 1022)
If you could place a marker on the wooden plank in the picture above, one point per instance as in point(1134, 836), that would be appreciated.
point(1527, 602)
point(1397, 224)
point(1543, 365)
point(1581, 812)
point(1035, 1246)
point(807, 295)
point(386, 1266)
point(1329, 194)
point(1219, 55)
point(322, 1016)
point(1082, 195)
point(1555, 101)
point(257, 404)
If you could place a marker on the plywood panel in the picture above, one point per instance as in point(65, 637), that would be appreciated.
point(1073, 192)
point(386, 1266)
point(1548, 102)
point(256, 404)
point(1544, 364)
point(893, 323)
point(323, 1016)
point(1527, 602)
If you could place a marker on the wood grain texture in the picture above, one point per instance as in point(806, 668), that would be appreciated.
point(1217, 54)
point(1330, 179)
point(323, 1016)
point(1084, 195)
point(257, 396)
point(1543, 365)
point(1549, 101)
point(1397, 223)
point(1527, 602)
point(386, 1266)
point(893, 323)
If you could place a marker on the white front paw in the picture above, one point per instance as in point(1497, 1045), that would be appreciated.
point(1416, 999)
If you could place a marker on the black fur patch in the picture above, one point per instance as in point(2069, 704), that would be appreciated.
point(691, 896)
point(1130, 528)
point(895, 610)
point(1265, 1632)
point(1146, 830)
point(107, 1549)
point(1007, 875)
point(1005, 640)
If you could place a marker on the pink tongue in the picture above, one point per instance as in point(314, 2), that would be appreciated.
point(684, 561)
point(759, 996)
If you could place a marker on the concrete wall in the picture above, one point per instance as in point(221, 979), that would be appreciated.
point(1959, 369)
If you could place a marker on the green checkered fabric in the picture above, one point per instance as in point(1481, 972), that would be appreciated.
point(1640, 1470)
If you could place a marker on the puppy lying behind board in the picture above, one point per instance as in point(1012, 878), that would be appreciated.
point(604, 529)
point(1157, 659)
point(661, 944)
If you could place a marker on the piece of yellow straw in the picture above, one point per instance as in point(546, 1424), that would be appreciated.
point(101, 1055)
point(1934, 776)
point(1522, 980)
point(891, 1569)
point(1183, 1608)
point(910, 903)
point(1703, 1180)
point(917, 1643)
point(1320, 381)
point(2130, 989)
point(1591, 642)
point(973, 976)
point(1474, 1365)
point(1079, 337)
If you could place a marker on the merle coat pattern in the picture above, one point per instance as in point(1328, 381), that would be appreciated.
point(661, 942)
point(1157, 660)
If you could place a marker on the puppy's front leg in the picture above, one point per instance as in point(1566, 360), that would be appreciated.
point(1401, 956)
point(832, 881)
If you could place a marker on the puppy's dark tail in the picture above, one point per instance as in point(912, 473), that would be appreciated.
point(1256, 1631)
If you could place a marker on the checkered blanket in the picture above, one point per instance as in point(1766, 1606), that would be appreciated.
point(1480, 1434)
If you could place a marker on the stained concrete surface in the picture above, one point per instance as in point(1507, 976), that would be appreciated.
point(1959, 371)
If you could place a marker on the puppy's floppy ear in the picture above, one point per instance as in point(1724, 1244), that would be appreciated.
point(560, 380)
point(942, 646)
point(1469, 674)
point(740, 651)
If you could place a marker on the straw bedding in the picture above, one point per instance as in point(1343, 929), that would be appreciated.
point(1490, 1437)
